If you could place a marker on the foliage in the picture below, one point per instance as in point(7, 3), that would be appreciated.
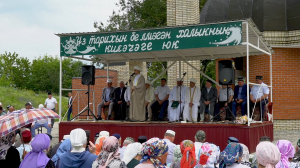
point(201, 4)
point(40, 75)
point(18, 98)
point(154, 69)
point(209, 68)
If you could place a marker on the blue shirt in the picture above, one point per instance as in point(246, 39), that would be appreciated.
point(107, 98)
point(208, 89)
point(240, 92)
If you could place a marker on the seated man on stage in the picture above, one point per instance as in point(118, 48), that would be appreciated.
point(208, 99)
point(149, 99)
point(119, 102)
point(192, 101)
point(175, 109)
point(240, 96)
point(127, 100)
point(107, 99)
point(224, 101)
point(259, 94)
point(161, 95)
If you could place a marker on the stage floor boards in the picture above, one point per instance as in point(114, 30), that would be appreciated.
point(216, 132)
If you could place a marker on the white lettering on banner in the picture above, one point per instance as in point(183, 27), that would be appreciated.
point(107, 39)
point(195, 32)
point(129, 47)
point(156, 36)
point(169, 44)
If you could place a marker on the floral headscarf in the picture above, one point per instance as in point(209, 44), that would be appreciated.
point(208, 155)
point(287, 151)
point(177, 154)
point(109, 156)
point(5, 143)
point(230, 155)
point(188, 160)
point(152, 149)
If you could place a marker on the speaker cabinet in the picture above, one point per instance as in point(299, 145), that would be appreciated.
point(226, 72)
point(88, 75)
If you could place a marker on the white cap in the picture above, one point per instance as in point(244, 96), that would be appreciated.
point(170, 132)
point(104, 134)
point(148, 82)
point(78, 138)
point(137, 68)
point(41, 106)
point(178, 79)
point(0, 104)
point(109, 81)
point(131, 151)
point(193, 80)
point(66, 137)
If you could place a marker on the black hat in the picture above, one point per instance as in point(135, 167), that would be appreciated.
point(240, 78)
point(163, 79)
point(49, 93)
point(28, 104)
point(209, 81)
point(232, 139)
point(259, 77)
point(142, 139)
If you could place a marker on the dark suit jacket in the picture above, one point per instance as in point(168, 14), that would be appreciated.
point(244, 92)
point(118, 96)
point(111, 95)
point(211, 96)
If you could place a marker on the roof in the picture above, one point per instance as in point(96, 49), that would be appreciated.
point(268, 15)
point(192, 48)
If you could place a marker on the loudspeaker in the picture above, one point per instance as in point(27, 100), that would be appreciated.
point(88, 75)
point(226, 72)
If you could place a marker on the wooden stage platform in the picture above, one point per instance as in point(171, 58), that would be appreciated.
point(215, 132)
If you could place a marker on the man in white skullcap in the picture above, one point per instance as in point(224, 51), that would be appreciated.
point(174, 112)
point(102, 134)
point(169, 139)
point(149, 99)
point(137, 97)
point(192, 101)
point(107, 99)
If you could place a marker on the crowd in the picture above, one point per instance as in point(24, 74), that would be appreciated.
point(77, 151)
point(141, 102)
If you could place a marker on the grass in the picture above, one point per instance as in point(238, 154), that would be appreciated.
point(18, 98)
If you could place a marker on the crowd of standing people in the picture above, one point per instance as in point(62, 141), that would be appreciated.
point(77, 150)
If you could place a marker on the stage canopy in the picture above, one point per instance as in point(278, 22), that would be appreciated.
point(181, 43)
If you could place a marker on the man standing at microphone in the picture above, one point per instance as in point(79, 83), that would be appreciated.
point(137, 98)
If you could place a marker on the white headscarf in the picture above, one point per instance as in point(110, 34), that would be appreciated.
point(245, 157)
point(78, 139)
point(131, 151)
point(102, 134)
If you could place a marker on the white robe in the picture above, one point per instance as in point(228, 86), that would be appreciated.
point(174, 114)
point(196, 102)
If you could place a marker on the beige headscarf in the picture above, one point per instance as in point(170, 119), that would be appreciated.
point(267, 154)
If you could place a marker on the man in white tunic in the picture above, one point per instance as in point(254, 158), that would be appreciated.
point(259, 94)
point(174, 112)
point(192, 101)
point(169, 139)
point(149, 99)
point(138, 91)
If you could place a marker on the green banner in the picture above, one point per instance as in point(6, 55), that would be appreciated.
point(212, 35)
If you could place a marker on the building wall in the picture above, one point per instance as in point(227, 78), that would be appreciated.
point(100, 82)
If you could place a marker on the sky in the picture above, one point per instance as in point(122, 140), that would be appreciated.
point(27, 27)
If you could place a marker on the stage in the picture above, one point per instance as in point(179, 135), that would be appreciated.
point(216, 133)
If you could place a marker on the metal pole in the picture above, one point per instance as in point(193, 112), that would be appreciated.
point(179, 69)
point(271, 83)
point(107, 71)
point(157, 77)
point(78, 102)
point(60, 86)
point(94, 111)
point(248, 96)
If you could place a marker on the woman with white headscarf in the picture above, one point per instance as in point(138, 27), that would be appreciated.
point(267, 155)
point(245, 157)
point(78, 157)
point(132, 155)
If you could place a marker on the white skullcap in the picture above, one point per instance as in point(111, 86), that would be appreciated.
point(109, 81)
point(131, 151)
point(66, 137)
point(137, 68)
point(0, 104)
point(170, 132)
point(148, 82)
point(178, 79)
point(41, 106)
point(102, 134)
point(193, 80)
point(78, 138)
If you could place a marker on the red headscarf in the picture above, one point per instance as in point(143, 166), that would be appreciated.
point(188, 154)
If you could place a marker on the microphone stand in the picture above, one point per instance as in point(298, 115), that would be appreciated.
point(130, 78)
point(181, 112)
